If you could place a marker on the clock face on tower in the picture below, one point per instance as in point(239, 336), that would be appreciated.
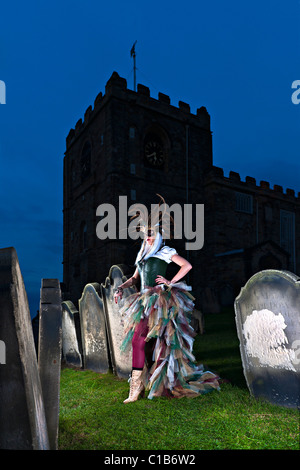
point(154, 153)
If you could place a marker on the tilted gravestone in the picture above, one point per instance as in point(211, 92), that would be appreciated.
point(121, 363)
point(93, 329)
point(22, 414)
point(70, 348)
point(49, 353)
point(267, 313)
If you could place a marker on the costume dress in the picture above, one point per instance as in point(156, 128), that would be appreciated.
point(168, 310)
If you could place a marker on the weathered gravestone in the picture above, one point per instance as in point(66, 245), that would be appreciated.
point(49, 353)
point(70, 347)
point(267, 313)
point(197, 321)
point(121, 363)
point(93, 329)
point(22, 414)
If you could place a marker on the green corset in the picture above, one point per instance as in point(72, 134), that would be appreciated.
point(149, 269)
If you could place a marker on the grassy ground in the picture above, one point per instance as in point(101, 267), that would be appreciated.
point(92, 415)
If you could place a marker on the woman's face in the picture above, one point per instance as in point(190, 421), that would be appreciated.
point(150, 236)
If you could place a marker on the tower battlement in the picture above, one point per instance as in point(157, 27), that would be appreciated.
point(250, 185)
point(117, 86)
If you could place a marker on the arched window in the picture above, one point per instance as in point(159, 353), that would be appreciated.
point(85, 162)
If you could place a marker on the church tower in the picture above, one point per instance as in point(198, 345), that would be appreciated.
point(130, 144)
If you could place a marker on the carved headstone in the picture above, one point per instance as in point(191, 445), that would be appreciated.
point(121, 362)
point(70, 347)
point(93, 329)
point(49, 353)
point(267, 313)
point(22, 414)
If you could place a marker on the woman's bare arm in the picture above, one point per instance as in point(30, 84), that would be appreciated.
point(185, 267)
point(130, 282)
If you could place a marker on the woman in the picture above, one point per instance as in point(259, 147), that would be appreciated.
point(159, 316)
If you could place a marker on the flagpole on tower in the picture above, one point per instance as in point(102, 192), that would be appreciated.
point(133, 54)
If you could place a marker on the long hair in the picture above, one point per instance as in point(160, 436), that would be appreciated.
point(147, 250)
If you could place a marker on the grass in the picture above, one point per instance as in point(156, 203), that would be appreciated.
point(93, 416)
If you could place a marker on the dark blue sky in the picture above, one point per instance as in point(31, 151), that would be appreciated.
point(238, 59)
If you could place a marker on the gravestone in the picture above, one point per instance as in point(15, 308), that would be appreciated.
point(22, 414)
point(70, 347)
point(197, 321)
point(49, 353)
point(209, 301)
point(267, 313)
point(93, 329)
point(121, 362)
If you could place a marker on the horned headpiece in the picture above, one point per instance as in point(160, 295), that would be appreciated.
point(158, 220)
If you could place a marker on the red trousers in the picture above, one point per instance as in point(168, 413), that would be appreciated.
point(138, 344)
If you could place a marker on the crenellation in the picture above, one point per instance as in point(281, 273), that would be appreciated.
point(217, 171)
point(278, 188)
point(98, 100)
point(290, 192)
point(203, 117)
point(143, 90)
point(250, 180)
point(250, 183)
point(164, 98)
point(265, 185)
point(202, 111)
point(234, 176)
point(70, 137)
point(184, 106)
point(78, 125)
point(87, 114)
point(117, 84)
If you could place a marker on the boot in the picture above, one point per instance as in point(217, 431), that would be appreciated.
point(136, 386)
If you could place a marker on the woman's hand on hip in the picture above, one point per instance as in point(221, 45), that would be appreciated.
point(162, 280)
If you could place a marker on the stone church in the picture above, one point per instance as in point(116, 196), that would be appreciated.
point(248, 226)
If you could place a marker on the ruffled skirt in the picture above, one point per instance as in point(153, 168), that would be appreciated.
point(173, 372)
